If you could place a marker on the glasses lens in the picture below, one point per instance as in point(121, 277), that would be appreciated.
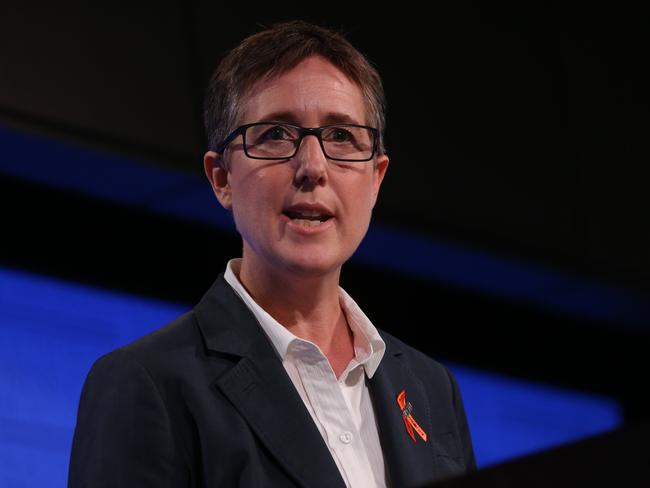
point(271, 141)
point(348, 142)
point(343, 142)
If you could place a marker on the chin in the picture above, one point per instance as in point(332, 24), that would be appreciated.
point(311, 267)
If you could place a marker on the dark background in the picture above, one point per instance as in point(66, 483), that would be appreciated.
point(520, 132)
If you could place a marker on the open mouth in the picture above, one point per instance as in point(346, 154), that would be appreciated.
point(307, 218)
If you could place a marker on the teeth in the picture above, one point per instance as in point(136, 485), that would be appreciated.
point(307, 215)
point(308, 223)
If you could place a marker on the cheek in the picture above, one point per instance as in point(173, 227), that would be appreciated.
point(360, 196)
point(242, 205)
point(252, 201)
point(359, 203)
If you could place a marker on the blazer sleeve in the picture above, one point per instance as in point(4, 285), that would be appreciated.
point(463, 428)
point(123, 435)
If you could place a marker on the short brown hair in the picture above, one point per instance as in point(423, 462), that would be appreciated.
point(275, 51)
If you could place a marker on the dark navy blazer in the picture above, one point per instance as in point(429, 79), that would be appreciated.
point(206, 402)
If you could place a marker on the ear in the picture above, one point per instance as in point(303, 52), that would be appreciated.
point(218, 175)
point(379, 171)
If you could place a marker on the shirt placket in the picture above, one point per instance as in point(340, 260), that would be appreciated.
point(330, 407)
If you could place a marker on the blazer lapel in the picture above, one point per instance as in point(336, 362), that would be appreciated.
point(409, 463)
point(260, 389)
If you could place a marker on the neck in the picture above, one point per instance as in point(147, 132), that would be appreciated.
point(308, 306)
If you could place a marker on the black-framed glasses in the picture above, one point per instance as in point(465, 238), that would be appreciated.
point(278, 140)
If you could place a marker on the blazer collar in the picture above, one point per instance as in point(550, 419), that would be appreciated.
point(409, 463)
point(260, 389)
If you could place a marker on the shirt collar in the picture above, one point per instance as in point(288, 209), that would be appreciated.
point(369, 347)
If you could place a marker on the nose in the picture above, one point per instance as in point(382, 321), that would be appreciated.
point(311, 162)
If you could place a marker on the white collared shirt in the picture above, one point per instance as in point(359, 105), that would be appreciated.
point(341, 408)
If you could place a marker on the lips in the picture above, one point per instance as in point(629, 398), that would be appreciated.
point(308, 213)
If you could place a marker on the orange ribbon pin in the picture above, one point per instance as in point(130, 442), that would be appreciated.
point(409, 421)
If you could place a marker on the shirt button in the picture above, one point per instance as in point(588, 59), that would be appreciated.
point(346, 437)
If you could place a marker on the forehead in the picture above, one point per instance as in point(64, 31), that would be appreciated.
point(314, 92)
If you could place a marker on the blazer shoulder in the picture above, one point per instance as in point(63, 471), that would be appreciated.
point(160, 350)
point(436, 378)
point(125, 434)
point(415, 358)
point(170, 337)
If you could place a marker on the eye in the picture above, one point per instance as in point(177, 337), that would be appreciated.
point(276, 133)
point(338, 134)
point(342, 135)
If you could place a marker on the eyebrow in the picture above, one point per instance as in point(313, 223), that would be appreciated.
point(291, 118)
